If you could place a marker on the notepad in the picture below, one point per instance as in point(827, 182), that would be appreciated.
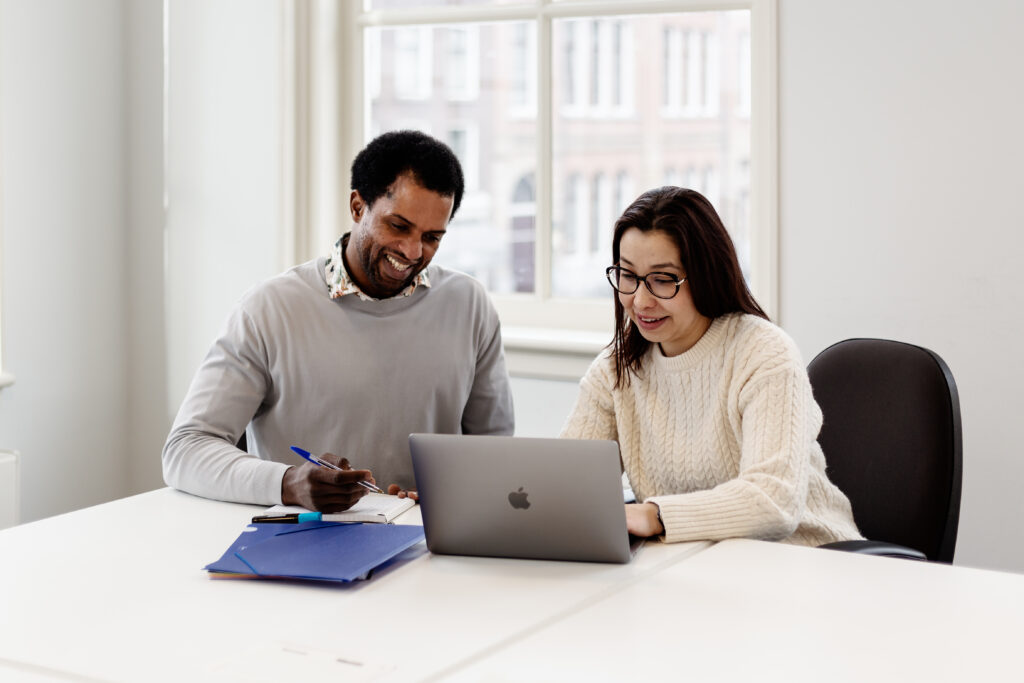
point(373, 507)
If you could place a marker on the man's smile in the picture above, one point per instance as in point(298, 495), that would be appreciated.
point(396, 264)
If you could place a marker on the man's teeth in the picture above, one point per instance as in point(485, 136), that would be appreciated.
point(396, 264)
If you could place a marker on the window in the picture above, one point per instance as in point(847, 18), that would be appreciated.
point(598, 73)
point(606, 212)
point(463, 138)
point(412, 70)
point(567, 237)
point(523, 72)
point(691, 65)
point(743, 79)
point(623, 195)
point(598, 215)
point(524, 209)
point(373, 56)
point(463, 60)
point(491, 126)
point(561, 112)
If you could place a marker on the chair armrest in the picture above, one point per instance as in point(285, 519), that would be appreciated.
point(877, 548)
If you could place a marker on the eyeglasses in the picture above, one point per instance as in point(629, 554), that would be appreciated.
point(625, 281)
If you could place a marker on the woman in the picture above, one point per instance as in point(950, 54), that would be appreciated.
point(709, 401)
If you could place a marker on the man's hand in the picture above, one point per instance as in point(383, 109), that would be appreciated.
point(323, 489)
point(396, 490)
point(642, 519)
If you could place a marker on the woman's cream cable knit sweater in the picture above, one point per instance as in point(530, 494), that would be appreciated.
point(721, 437)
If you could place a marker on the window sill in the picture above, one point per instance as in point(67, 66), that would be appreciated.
point(6, 379)
point(547, 353)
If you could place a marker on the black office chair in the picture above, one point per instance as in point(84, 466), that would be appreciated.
point(893, 444)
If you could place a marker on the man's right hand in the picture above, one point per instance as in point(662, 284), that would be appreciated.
point(323, 489)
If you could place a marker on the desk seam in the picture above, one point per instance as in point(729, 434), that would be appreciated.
point(569, 611)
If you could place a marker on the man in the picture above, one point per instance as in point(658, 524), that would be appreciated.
point(349, 353)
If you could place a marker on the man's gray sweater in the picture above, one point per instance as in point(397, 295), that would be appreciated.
point(343, 376)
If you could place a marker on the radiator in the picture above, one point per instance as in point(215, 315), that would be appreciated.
point(9, 489)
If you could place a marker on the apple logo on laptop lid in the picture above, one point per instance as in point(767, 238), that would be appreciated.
point(518, 499)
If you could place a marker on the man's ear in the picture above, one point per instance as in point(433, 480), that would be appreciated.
point(356, 206)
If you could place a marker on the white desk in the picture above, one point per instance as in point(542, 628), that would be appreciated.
point(117, 592)
point(755, 611)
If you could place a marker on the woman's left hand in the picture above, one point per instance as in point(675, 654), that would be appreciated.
point(396, 490)
point(642, 519)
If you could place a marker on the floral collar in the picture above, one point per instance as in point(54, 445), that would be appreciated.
point(340, 283)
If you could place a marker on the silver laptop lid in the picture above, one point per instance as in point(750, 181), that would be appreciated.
point(503, 496)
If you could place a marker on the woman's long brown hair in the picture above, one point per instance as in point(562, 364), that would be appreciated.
point(708, 257)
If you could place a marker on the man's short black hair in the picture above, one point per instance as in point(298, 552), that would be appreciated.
point(431, 162)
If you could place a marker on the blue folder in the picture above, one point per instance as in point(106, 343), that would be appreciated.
point(320, 551)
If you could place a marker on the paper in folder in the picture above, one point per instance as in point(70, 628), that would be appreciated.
point(319, 551)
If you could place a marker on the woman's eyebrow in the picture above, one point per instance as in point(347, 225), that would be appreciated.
point(656, 266)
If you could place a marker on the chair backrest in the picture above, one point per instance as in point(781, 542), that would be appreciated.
point(892, 440)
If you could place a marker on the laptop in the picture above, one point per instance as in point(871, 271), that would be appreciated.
point(504, 496)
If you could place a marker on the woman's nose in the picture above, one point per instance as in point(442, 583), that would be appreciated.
point(643, 297)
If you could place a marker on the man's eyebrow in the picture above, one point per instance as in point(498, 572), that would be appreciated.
point(409, 222)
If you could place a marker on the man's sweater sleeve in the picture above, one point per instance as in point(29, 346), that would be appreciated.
point(200, 456)
point(489, 407)
point(780, 420)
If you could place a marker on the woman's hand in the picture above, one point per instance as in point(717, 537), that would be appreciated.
point(396, 490)
point(642, 519)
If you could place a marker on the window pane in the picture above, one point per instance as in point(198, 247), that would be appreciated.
point(473, 86)
point(640, 102)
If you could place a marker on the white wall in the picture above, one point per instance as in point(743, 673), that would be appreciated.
point(62, 154)
point(225, 215)
point(542, 405)
point(901, 150)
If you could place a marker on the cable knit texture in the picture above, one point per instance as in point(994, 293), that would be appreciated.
point(722, 437)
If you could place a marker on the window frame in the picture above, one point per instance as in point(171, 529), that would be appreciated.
point(539, 321)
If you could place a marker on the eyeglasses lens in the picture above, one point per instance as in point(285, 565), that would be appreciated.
point(661, 285)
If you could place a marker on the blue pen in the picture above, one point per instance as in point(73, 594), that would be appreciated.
point(323, 463)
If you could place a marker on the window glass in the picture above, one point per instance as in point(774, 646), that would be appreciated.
point(646, 100)
point(636, 102)
point(480, 84)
